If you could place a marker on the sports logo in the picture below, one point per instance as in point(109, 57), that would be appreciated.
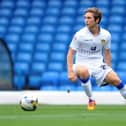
point(93, 48)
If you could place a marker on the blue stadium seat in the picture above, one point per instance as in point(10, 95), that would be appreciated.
point(121, 66)
point(34, 20)
point(124, 35)
point(114, 65)
point(31, 29)
point(28, 37)
point(125, 29)
point(18, 20)
point(119, 11)
point(48, 29)
point(24, 57)
point(122, 55)
point(53, 11)
point(62, 37)
point(42, 46)
point(66, 20)
point(55, 3)
point(3, 30)
point(34, 81)
point(122, 75)
point(104, 22)
point(69, 11)
point(114, 46)
point(64, 28)
point(115, 37)
point(45, 38)
point(21, 12)
point(118, 19)
point(86, 3)
point(25, 47)
point(15, 29)
point(6, 12)
point(41, 4)
point(80, 20)
point(21, 68)
point(12, 38)
point(71, 3)
point(55, 66)
point(19, 82)
point(123, 46)
point(50, 20)
point(4, 21)
point(104, 6)
point(119, 2)
point(102, 3)
point(114, 56)
point(59, 47)
point(23, 3)
point(115, 28)
point(57, 57)
point(49, 88)
point(40, 57)
point(77, 27)
point(49, 80)
point(38, 67)
point(66, 84)
point(36, 11)
point(12, 47)
point(7, 4)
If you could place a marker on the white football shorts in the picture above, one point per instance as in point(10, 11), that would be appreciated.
point(99, 73)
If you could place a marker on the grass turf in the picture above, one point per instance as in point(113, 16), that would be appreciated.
point(54, 115)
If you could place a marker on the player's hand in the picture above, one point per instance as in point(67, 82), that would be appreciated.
point(72, 76)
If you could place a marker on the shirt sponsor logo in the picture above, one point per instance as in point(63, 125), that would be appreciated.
point(93, 48)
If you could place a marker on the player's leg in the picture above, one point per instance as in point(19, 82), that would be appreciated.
point(84, 76)
point(113, 79)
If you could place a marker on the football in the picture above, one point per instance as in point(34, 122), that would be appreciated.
point(29, 102)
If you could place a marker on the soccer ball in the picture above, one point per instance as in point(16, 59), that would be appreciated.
point(29, 102)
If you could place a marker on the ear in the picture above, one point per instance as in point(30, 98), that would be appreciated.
point(97, 20)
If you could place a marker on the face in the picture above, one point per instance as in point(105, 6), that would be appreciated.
point(90, 20)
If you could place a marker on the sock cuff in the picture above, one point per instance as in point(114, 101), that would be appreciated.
point(84, 80)
point(121, 85)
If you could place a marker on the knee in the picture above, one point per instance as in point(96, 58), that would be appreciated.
point(82, 72)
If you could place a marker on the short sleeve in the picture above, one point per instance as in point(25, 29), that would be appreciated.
point(74, 43)
point(108, 41)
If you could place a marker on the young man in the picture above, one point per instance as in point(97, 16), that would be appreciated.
point(91, 45)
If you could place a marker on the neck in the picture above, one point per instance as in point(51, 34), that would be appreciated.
point(95, 30)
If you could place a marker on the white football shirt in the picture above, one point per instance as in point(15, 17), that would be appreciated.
point(89, 48)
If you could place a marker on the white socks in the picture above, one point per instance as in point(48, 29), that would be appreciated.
point(123, 91)
point(87, 88)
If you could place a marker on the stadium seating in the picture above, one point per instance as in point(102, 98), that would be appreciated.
point(49, 80)
point(19, 82)
point(38, 33)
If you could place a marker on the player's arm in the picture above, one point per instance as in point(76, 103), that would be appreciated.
point(107, 57)
point(71, 75)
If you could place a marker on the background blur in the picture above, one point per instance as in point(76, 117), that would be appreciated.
point(37, 34)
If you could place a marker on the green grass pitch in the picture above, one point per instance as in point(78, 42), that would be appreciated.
point(63, 115)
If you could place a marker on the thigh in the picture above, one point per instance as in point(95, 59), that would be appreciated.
point(112, 78)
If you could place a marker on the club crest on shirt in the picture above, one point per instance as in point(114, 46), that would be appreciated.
point(102, 41)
